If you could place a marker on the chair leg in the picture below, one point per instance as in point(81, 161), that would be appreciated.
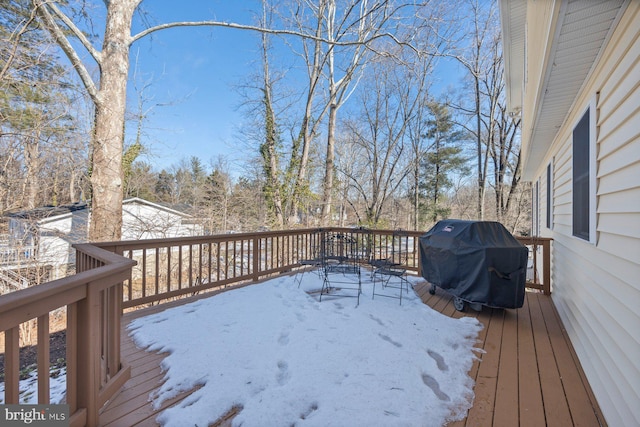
point(299, 279)
point(384, 278)
point(325, 285)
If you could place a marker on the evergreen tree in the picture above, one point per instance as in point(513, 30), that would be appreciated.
point(164, 186)
point(38, 131)
point(217, 198)
point(443, 159)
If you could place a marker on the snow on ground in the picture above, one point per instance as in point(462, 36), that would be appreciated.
point(288, 359)
point(29, 387)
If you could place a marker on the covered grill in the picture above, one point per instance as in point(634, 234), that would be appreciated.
point(479, 262)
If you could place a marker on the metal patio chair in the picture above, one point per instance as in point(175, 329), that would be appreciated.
point(313, 260)
point(384, 269)
point(341, 266)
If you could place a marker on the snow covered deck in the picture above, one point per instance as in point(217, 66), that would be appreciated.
point(528, 375)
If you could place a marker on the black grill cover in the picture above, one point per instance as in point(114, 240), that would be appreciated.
point(477, 261)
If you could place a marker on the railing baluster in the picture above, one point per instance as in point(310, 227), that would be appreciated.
point(72, 359)
point(235, 258)
point(12, 365)
point(210, 261)
point(157, 278)
point(256, 258)
point(242, 241)
point(168, 268)
point(200, 262)
point(217, 261)
point(43, 359)
point(180, 255)
point(144, 274)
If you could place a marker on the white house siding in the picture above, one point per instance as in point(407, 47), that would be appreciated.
point(145, 221)
point(562, 197)
point(55, 237)
point(596, 286)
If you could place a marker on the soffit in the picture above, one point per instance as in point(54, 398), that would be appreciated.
point(582, 31)
point(512, 16)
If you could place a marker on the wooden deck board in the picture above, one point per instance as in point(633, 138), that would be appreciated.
point(506, 407)
point(531, 409)
point(526, 375)
point(481, 414)
point(581, 402)
point(550, 383)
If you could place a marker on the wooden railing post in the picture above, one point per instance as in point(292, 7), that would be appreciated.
point(43, 358)
point(88, 353)
point(545, 244)
point(11, 365)
point(114, 314)
point(546, 267)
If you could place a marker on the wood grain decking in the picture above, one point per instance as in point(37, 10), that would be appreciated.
point(529, 374)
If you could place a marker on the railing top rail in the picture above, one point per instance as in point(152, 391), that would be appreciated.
point(34, 295)
point(175, 241)
point(534, 239)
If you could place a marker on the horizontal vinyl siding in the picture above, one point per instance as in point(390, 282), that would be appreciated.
point(597, 287)
point(562, 197)
point(605, 339)
point(630, 199)
point(623, 156)
point(621, 224)
point(622, 246)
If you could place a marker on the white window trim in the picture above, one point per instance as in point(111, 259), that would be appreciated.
point(550, 185)
point(593, 127)
point(535, 209)
point(593, 169)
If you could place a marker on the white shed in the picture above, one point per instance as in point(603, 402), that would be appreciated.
point(142, 219)
point(45, 235)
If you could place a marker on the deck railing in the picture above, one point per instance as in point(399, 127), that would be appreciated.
point(112, 276)
point(15, 256)
point(540, 262)
point(92, 301)
point(170, 268)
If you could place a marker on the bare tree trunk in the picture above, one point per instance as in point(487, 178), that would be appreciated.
point(269, 151)
point(271, 162)
point(301, 175)
point(480, 203)
point(416, 199)
point(72, 187)
point(515, 180)
point(327, 197)
point(32, 163)
point(307, 129)
point(106, 173)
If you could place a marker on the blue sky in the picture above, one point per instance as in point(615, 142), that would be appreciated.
point(192, 72)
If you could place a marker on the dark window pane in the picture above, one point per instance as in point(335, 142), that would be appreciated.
point(549, 196)
point(581, 178)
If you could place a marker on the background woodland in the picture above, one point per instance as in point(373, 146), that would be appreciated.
point(362, 139)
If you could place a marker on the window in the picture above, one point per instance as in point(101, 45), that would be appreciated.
point(583, 175)
point(549, 196)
